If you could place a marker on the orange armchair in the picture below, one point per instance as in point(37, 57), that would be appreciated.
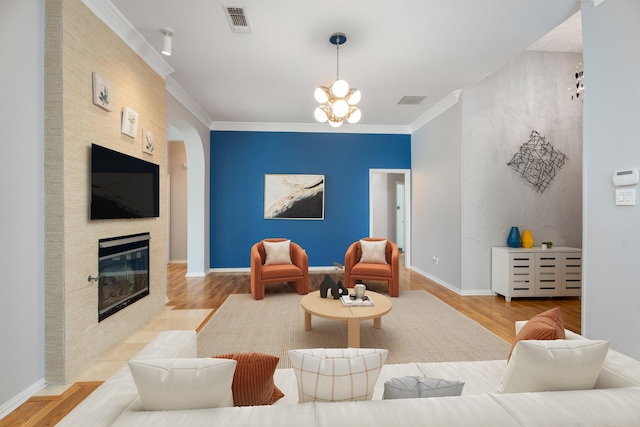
point(355, 270)
point(296, 273)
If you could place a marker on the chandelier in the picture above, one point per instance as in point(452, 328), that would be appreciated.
point(338, 100)
point(579, 87)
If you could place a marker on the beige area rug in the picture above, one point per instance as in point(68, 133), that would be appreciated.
point(419, 328)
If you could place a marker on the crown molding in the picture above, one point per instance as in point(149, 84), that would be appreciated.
point(116, 21)
point(442, 106)
point(183, 97)
point(308, 127)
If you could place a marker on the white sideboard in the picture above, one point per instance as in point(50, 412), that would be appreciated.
point(536, 272)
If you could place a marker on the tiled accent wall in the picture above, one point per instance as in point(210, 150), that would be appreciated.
point(77, 44)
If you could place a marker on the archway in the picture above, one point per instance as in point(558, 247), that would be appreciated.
point(197, 226)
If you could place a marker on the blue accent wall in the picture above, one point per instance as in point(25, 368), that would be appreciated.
point(239, 161)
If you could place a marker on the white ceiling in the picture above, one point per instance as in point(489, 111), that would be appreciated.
point(405, 47)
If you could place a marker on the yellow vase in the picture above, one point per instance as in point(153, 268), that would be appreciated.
point(527, 239)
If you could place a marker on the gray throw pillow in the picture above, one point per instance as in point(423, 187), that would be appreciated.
point(415, 386)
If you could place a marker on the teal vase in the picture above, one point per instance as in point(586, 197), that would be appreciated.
point(514, 238)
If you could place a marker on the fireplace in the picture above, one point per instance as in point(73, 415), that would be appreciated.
point(123, 271)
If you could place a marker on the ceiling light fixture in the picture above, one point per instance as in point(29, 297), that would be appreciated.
point(576, 91)
point(338, 100)
point(167, 33)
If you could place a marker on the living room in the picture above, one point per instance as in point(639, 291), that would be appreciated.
point(610, 307)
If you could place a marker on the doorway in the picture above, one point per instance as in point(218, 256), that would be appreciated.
point(390, 212)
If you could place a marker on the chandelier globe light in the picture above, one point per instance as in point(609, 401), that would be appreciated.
point(338, 101)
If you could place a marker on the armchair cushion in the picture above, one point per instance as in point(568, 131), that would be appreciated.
point(277, 252)
point(369, 270)
point(373, 252)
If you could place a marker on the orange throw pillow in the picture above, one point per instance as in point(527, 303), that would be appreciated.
point(253, 379)
point(545, 326)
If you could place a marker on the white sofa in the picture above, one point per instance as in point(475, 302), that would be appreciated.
point(615, 400)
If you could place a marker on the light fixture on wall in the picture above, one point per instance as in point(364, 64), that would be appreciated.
point(576, 91)
point(338, 100)
point(167, 33)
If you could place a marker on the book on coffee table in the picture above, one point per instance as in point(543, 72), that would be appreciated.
point(358, 302)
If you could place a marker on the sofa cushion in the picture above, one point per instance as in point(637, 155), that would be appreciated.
point(551, 365)
point(417, 386)
point(277, 252)
point(192, 383)
point(373, 252)
point(544, 326)
point(332, 375)
point(253, 379)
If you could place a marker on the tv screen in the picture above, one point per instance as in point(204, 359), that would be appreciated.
point(123, 186)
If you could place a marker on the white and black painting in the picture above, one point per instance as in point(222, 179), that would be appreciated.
point(293, 196)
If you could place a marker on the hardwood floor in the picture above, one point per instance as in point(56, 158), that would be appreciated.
point(493, 312)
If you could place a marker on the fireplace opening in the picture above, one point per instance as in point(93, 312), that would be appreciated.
point(123, 271)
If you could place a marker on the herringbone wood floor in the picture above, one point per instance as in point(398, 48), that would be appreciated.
point(493, 312)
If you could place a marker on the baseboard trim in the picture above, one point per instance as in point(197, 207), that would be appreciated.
point(473, 292)
point(12, 405)
point(248, 269)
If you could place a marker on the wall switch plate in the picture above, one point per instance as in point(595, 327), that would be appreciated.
point(625, 196)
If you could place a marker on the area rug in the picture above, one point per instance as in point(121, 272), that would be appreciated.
point(419, 328)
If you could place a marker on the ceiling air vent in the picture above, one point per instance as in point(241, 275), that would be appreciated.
point(238, 20)
point(411, 100)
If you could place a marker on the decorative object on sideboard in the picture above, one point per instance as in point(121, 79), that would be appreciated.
point(578, 87)
point(338, 101)
point(514, 238)
point(148, 145)
point(130, 121)
point(547, 245)
point(537, 161)
point(101, 92)
point(527, 239)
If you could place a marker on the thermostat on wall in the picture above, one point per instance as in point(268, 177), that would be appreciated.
point(628, 177)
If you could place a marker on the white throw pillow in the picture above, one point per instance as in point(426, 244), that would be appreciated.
point(277, 252)
point(373, 252)
point(334, 374)
point(553, 365)
point(193, 383)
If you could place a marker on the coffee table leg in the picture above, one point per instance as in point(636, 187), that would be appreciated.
point(307, 321)
point(353, 332)
point(377, 322)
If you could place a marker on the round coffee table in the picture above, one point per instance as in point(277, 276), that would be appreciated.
point(329, 308)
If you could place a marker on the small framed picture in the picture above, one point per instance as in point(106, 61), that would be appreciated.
point(129, 122)
point(147, 142)
point(101, 92)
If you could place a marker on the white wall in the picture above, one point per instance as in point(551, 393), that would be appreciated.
point(435, 169)
point(498, 115)
point(178, 202)
point(379, 202)
point(611, 296)
point(22, 193)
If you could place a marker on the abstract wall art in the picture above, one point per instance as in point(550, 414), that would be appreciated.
point(537, 161)
point(293, 196)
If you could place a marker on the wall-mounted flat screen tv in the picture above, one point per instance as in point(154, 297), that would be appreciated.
point(123, 186)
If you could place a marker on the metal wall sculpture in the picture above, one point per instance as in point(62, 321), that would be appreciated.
point(537, 161)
